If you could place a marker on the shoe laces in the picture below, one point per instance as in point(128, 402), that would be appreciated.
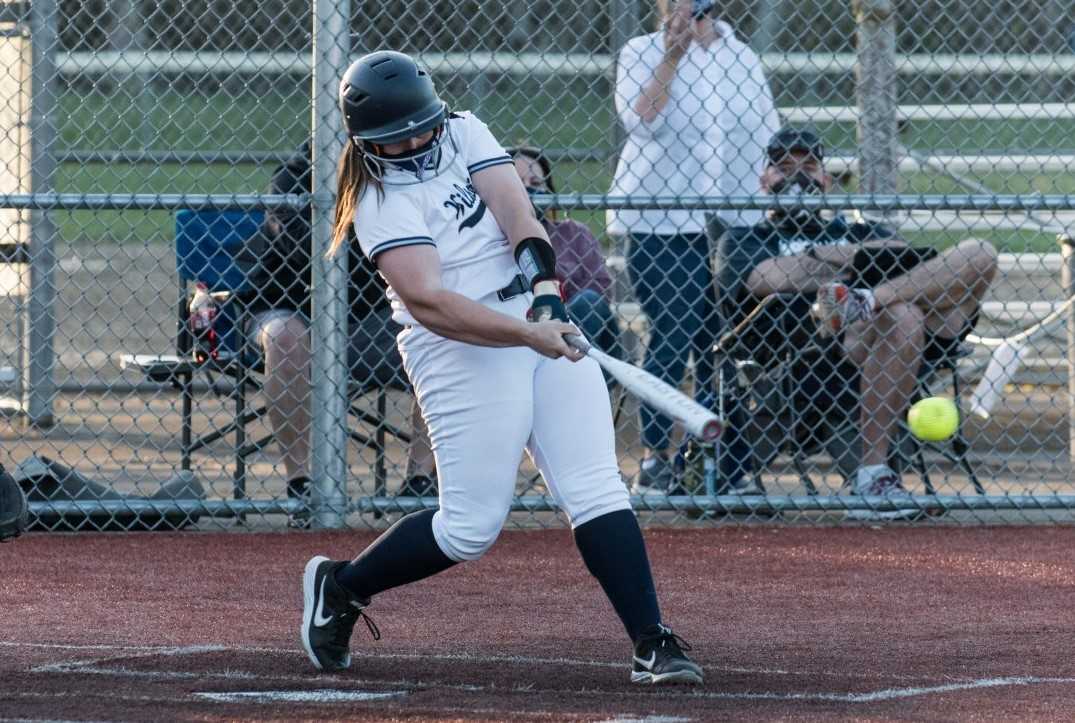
point(351, 616)
point(665, 638)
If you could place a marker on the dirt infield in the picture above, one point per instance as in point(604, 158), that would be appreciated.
point(925, 624)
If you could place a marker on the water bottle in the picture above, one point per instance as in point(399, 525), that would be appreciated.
point(203, 310)
point(709, 469)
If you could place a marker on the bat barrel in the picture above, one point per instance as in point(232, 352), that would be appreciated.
point(711, 431)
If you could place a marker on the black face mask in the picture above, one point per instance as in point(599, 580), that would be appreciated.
point(798, 219)
point(419, 159)
point(540, 213)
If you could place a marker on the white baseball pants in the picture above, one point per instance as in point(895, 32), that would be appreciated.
point(484, 406)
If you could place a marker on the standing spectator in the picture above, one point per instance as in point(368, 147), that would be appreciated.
point(698, 114)
point(579, 261)
point(279, 331)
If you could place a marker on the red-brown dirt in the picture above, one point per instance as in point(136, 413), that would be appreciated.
point(923, 624)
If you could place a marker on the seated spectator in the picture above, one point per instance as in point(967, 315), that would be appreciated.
point(279, 329)
point(580, 262)
point(890, 306)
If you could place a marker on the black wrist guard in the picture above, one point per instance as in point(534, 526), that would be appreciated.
point(546, 307)
point(536, 259)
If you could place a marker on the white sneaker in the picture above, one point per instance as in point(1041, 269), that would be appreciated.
point(879, 480)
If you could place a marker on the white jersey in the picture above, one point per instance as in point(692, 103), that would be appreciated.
point(443, 211)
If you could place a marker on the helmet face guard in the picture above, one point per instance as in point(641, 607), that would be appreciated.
point(416, 166)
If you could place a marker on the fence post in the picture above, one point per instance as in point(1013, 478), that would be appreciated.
point(40, 388)
point(1067, 280)
point(625, 24)
point(875, 90)
point(328, 449)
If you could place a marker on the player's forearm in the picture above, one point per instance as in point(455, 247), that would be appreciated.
point(838, 256)
point(523, 225)
point(790, 274)
point(454, 316)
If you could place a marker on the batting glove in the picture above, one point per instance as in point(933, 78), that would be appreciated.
point(548, 303)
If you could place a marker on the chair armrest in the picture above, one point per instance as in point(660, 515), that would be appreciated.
point(159, 367)
point(780, 319)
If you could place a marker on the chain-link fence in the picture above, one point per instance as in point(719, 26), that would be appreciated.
point(167, 186)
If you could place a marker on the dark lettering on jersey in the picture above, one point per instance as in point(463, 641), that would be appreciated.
point(461, 200)
point(472, 220)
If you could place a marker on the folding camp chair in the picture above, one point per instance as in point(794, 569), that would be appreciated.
point(208, 243)
point(780, 378)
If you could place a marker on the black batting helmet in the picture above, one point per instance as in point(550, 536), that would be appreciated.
point(386, 97)
point(794, 138)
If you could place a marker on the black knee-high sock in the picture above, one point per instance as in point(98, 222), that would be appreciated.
point(614, 553)
point(405, 553)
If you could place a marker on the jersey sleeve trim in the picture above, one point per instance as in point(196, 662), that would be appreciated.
point(488, 163)
point(396, 243)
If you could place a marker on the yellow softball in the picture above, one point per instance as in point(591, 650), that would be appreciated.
point(933, 419)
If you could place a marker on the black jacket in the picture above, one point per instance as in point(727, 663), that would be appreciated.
point(281, 251)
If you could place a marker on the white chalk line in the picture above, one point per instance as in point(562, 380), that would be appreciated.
point(890, 693)
point(273, 678)
point(867, 697)
point(92, 667)
point(70, 665)
point(894, 693)
point(469, 658)
point(321, 695)
point(577, 662)
point(74, 646)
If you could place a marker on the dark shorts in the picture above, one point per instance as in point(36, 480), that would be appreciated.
point(874, 266)
point(372, 352)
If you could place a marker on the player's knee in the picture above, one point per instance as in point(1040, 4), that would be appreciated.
point(903, 328)
point(465, 540)
point(592, 492)
point(982, 257)
point(612, 500)
point(286, 341)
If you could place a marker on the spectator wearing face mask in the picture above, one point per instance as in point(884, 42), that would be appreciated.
point(580, 264)
point(890, 306)
point(697, 111)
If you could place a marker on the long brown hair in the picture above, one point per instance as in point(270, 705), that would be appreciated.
point(352, 177)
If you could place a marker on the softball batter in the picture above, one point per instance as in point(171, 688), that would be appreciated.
point(437, 205)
